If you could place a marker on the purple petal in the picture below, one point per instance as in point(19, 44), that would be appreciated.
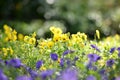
point(67, 51)
point(95, 47)
point(3, 76)
point(15, 63)
point(93, 57)
point(39, 64)
point(110, 62)
point(45, 74)
point(90, 78)
point(69, 74)
point(118, 48)
point(61, 62)
point(54, 56)
point(24, 78)
point(112, 50)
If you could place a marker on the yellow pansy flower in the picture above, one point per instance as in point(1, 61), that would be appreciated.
point(34, 35)
point(43, 68)
point(56, 37)
point(50, 44)
point(64, 37)
point(7, 50)
point(55, 30)
point(20, 36)
point(11, 35)
point(98, 34)
point(32, 41)
point(42, 44)
point(26, 38)
point(11, 51)
point(7, 28)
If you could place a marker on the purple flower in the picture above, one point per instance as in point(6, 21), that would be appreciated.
point(67, 51)
point(112, 50)
point(68, 62)
point(45, 74)
point(6, 62)
point(110, 62)
point(32, 73)
point(118, 78)
point(93, 57)
point(89, 65)
point(61, 62)
point(39, 64)
point(94, 68)
point(1, 60)
point(95, 47)
point(102, 72)
point(54, 56)
point(90, 78)
point(15, 63)
point(76, 58)
point(118, 49)
point(24, 78)
point(68, 74)
point(3, 76)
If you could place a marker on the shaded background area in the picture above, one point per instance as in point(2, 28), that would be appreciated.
point(27, 16)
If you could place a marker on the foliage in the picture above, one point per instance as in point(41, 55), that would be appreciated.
point(85, 16)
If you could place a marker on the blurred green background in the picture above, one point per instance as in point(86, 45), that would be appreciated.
point(27, 16)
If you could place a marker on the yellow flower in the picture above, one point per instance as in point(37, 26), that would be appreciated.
point(58, 31)
point(58, 60)
point(101, 62)
point(14, 38)
point(56, 37)
point(55, 30)
point(20, 36)
point(7, 28)
point(5, 51)
point(117, 37)
point(98, 34)
point(34, 35)
point(109, 38)
point(42, 44)
point(64, 37)
point(26, 38)
point(69, 43)
point(11, 51)
point(32, 41)
point(11, 35)
point(14, 32)
point(82, 44)
point(84, 36)
point(50, 44)
point(77, 38)
point(43, 68)
point(52, 29)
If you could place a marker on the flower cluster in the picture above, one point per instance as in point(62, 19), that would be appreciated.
point(64, 56)
point(11, 35)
